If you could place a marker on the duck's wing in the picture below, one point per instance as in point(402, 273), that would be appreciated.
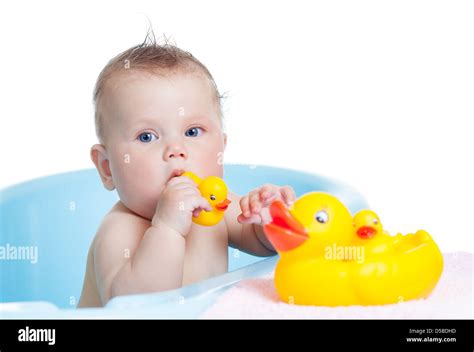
point(409, 271)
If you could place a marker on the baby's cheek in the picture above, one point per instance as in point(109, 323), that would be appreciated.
point(211, 168)
point(139, 185)
point(211, 160)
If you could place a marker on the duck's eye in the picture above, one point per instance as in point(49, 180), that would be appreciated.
point(213, 197)
point(375, 222)
point(321, 217)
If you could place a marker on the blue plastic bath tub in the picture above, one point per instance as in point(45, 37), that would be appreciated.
point(50, 222)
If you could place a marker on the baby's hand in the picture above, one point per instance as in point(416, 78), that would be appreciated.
point(179, 201)
point(255, 205)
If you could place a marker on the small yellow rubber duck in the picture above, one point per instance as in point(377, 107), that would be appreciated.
point(213, 189)
point(369, 232)
point(329, 258)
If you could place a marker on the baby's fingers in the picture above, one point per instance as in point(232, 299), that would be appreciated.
point(197, 211)
point(253, 219)
point(199, 204)
point(180, 180)
point(255, 202)
point(288, 194)
point(266, 191)
point(204, 204)
point(245, 206)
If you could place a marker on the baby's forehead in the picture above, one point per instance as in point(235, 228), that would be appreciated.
point(124, 78)
point(132, 96)
point(140, 84)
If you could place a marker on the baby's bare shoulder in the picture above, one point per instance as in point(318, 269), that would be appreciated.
point(121, 227)
point(115, 242)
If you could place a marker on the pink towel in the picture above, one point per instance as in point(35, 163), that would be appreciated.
point(451, 299)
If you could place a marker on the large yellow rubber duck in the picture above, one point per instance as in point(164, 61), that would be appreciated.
point(214, 190)
point(329, 258)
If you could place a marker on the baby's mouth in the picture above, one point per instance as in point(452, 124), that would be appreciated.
point(175, 173)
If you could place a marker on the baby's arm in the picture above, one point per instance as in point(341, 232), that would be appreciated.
point(247, 214)
point(133, 257)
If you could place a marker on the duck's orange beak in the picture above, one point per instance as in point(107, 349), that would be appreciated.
point(222, 206)
point(284, 232)
point(366, 232)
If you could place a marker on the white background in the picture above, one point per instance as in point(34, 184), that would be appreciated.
point(376, 94)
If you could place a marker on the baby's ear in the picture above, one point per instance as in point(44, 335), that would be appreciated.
point(225, 139)
point(101, 161)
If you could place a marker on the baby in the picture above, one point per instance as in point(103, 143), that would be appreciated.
point(158, 114)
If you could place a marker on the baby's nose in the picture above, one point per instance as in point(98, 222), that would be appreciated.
point(175, 152)
point(175, 155)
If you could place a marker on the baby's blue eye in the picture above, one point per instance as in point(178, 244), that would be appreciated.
point(147, 137)
point(193, 132)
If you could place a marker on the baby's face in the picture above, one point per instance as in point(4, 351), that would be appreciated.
point(157, 127)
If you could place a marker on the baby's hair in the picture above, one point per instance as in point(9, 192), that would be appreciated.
point(152, 56)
